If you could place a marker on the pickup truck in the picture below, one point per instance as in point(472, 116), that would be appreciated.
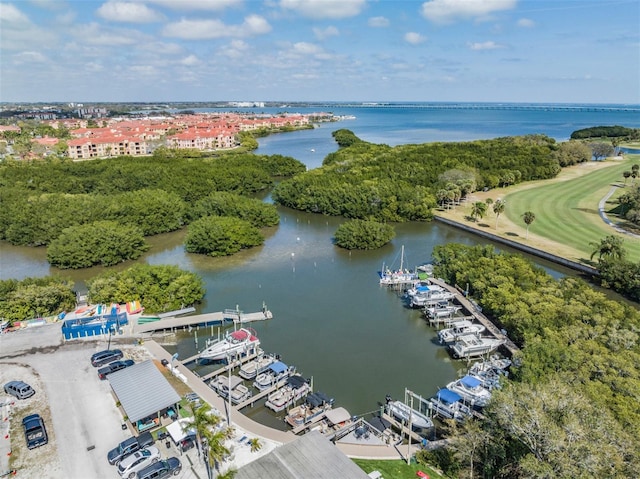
point(34, 431)
point(129, 446)
point(113, 367)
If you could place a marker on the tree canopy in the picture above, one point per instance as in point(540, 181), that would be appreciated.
point(159, 288)
point(221, 236)
point(35, 297)
point(377, 182)
point(361, 234)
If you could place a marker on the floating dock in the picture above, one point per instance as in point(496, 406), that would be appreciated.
point(184, 322)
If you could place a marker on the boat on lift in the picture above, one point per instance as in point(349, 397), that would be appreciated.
point(406, 414)
point(239, 342)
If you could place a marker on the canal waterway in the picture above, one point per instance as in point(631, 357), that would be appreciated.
point(332, 320)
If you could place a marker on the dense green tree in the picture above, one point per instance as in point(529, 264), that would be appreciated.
point(221, 203)
point(159, 288)
point(626, 175)
point(35, 297)
point(345, 138)
point(103, 242)
point(609, 247)
point(221, 236)
point(601, 131)
point(572, 152)
point(362, 234)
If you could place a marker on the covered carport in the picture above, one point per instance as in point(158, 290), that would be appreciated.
point(146, 397)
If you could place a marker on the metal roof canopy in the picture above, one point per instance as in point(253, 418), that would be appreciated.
point(142, 390)
point(310, 456)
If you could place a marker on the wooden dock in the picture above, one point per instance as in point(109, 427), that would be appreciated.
point(184, 322)
point(478, 316)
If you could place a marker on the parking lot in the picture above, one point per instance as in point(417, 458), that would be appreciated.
point(80, 413)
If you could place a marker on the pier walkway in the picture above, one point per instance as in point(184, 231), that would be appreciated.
point(259, 430)
point(478, 316)
point(229, 315)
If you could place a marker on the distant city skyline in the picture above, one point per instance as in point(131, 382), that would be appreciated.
point(563, 51)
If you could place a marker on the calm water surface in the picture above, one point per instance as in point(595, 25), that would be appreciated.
point(331, 318)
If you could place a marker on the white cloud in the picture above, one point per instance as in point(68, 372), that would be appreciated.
point(213, 5)
point(488, 45)
point(446, 11)
point(322, 34)
point(208, 29)
point(29, 57)
point(190, 61)
point(235, 49)
point(50, 4)
point(305, 48)
point(128, 12)
point(96, 34)
point(378, 22)
point(11, 16)
point(325, 8)
point(526, 23)
point(414, 38)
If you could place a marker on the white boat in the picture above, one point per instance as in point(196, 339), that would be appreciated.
point(259, 365)
point(296, 388)
point(430, 298)
point(222, 384)
point(275, 373)
point(470, 345)
point(314, 406)
point(442, 309)
point(491, 371)
point(471, 391)
point(240, 342)
point(457, 329)
point(240, 393)
point(336, 419)
point(389, 277)
point(405, 414)
point(449, 405)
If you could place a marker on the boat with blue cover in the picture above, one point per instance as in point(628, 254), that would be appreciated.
point(275, 373)
point(449, 405)
point(471, 390)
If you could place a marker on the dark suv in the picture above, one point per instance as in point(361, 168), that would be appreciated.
point(104, 357)
point(129, 446)
point(19, 389)
point(34, 431)
point(113, 367)
point(161, 469)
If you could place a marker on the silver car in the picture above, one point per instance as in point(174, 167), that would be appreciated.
point(130, 465)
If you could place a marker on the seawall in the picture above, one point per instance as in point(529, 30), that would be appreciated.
point(582, 268)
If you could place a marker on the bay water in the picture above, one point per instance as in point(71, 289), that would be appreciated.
point(331, 319)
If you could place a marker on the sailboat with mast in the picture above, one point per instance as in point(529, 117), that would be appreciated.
point(401, 276)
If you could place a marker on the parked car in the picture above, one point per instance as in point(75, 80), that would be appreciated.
point(113, 367)
point(129, 446)
point(19, 389)
point(137, 461)
point(187, 442)
point(35, 432)
point(161, 469)
point(104, 357)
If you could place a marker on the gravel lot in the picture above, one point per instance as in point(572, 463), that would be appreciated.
point(79, 410)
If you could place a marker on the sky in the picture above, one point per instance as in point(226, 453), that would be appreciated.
point(560, 51)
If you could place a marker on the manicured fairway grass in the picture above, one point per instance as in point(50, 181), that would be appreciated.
point(567, 211)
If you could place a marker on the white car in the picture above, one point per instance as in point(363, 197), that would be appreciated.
point(137, 461)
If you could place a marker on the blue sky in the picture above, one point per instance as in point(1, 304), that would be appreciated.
point(320, 50)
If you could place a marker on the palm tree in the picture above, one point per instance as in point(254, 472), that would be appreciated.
point(230, 474)
point(528, 218)
point(498, 207)
point(626, 175)
point(609, 247)
point(206, 424)
point(256, 445)
point(478, 209)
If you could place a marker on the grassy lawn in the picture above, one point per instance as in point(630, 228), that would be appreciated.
point(566, 209)
point(397, 469)
point(567, 212)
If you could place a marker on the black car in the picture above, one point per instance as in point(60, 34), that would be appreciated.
point(104, 357)
point(34, 431)
point(161, 469)
point(187, 442)
point(113, 367)
point(19, 389)
point(129, 446)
